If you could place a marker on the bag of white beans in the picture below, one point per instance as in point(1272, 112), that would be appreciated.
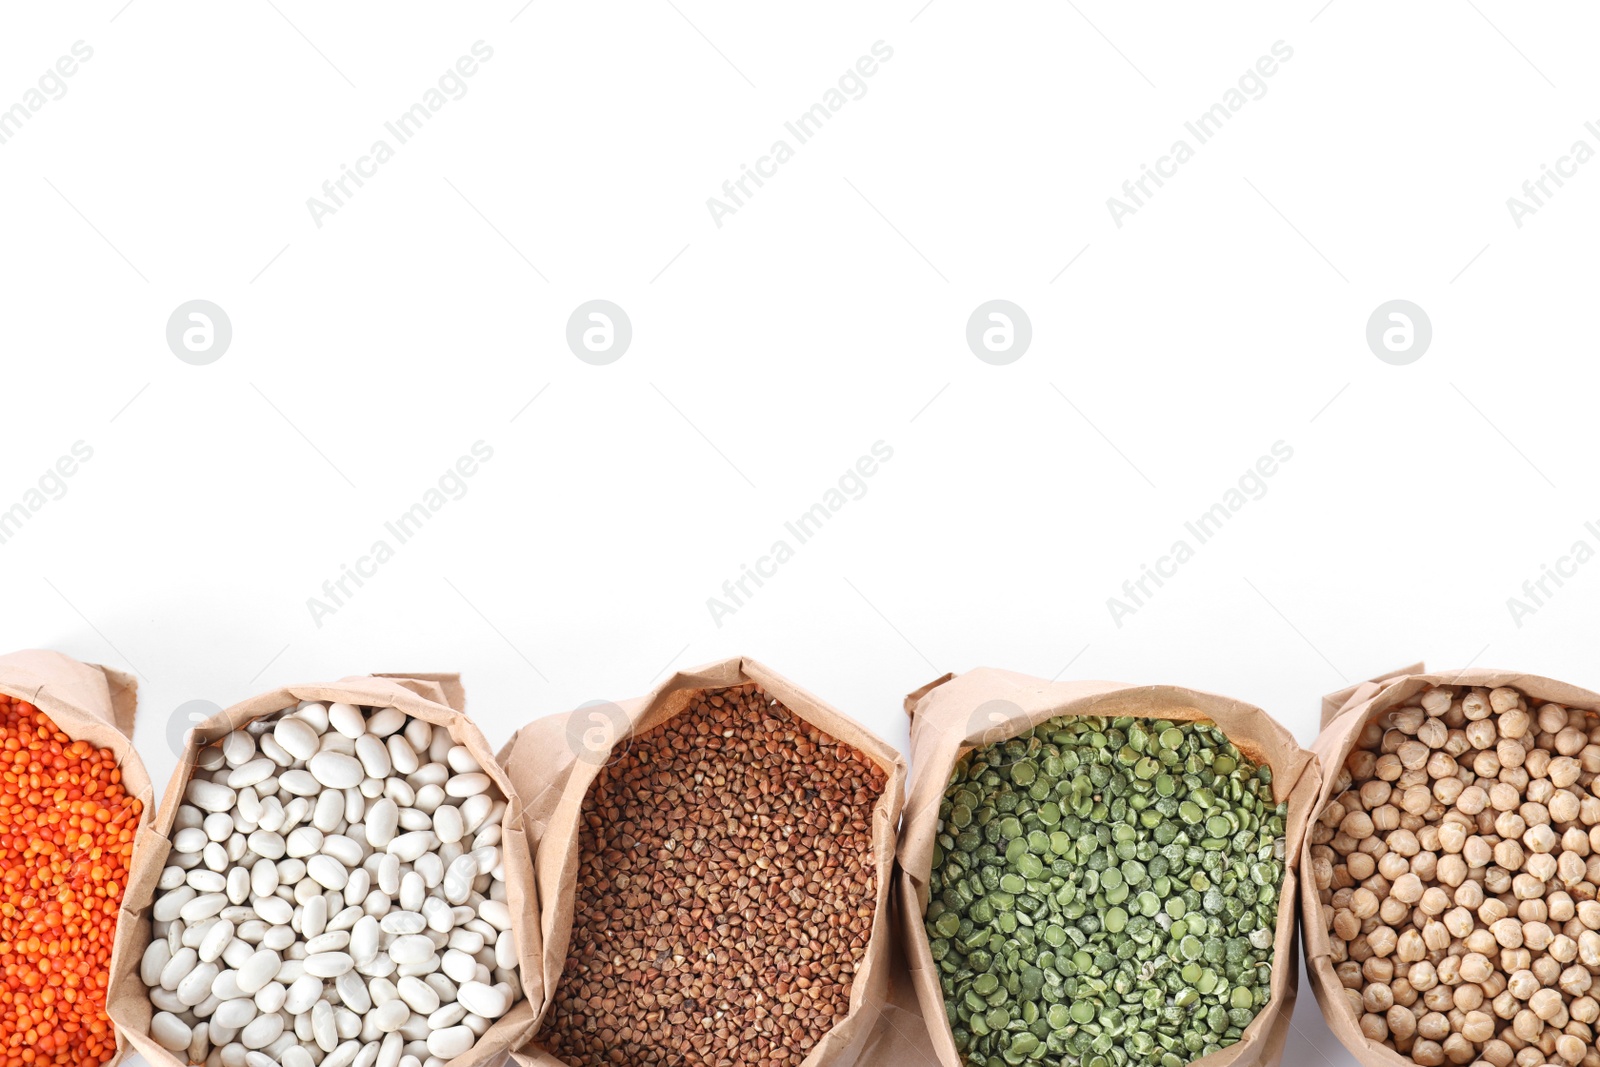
point(338, 877)
point(1448, 907)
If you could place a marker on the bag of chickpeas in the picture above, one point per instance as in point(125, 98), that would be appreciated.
point(1099, 873)
point(338, 877)
point(1450, 910)
point(714, 864)
point(73, 797)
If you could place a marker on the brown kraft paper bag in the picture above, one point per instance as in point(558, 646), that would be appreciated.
point(957, 713)
point(554, 760)
point(93, 704)
point(1343, 715)
point(437, 698)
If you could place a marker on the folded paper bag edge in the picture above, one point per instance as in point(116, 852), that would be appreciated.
point(914, 697)
point(1337, 703)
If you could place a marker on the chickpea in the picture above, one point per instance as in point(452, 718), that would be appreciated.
point(1478, 1026)
point(1507, 932)
point(1468, 997)
point(1362, 866)
point(1459, 1050)
point(1393, 912)
point(1570, 1048)
point(1413, 755)
point(1403, 842)
point(1436, 701)
point(1427, 1053)
point(1408, 888)
point(1527, 887)
point(1590, 756)
point(1433, 1026)
point(1356, 824)
point(1504, 796)
point(1570, 741)
point(1541, 866)
point(1509, 854)
point(1361, 762)
point(1377, 997)
point(1434, 733)
point(1539, 838)
point(1509, 824)
point(1537, 935)
point(1552, 717)
point(1575, 981)
point(1449, 971)
point(1504, 699)
point(1374, 1028)
point(1481, 941)
point(1497, 1053)
point(1475, 704)
point(1447, 790)
point(1546, 1004)
point(1510, 752)
point(1546, 970)
point(1475, 967)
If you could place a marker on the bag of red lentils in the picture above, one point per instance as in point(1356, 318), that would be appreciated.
point(1443, 796)
point(93, 793)
point(714, 864)
point(434, 706)
point(1085, 912)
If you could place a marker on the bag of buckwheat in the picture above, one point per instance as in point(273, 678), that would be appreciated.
point(714, 866)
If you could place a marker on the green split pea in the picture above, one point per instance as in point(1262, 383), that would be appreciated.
point(1105, 893)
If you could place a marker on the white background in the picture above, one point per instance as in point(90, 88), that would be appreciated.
point(827, 314)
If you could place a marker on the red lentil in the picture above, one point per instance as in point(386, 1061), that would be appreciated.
point(66, 835)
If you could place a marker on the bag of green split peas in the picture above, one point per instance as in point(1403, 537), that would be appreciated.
point(1099, 874)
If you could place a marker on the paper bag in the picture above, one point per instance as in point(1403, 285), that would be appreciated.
point(956, 714)
point(553, 762)
point(436, 698)
point(1343, 715)
point(93, 704)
